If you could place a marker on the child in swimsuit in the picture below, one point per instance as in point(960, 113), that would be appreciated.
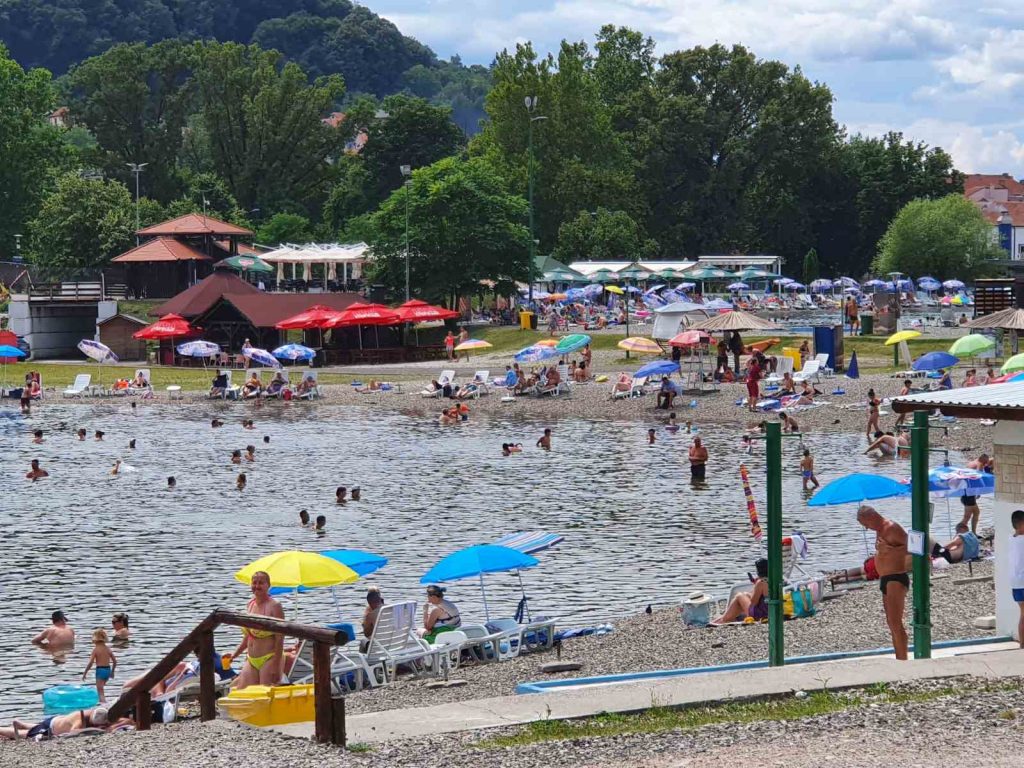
point(104, 659)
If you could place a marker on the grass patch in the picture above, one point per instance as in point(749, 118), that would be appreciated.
point(139, 307)
point(359, 748)
point(60, 375)
point(661, 719)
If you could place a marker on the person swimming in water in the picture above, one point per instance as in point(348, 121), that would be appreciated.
point(321, 524)
point(81, 435)
point(545, 440)
point(356, 494)
point(36, 472)
point(650, 437)
point(339, 495)
point(672, 425)
point(304, 518)
point(171, 482)
point(214, 423)
point(99, 434)
point(131, 444)
point(37, 437)
point(240, 483)
point(266, 439)
point(236, 456)
point(250, 453)
point(117, 468)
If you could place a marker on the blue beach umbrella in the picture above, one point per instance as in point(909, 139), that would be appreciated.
point(198, 349)
point(6, 350)
point(535, 353)
point(856, 488)
point(294, 352)
point(928, 283)
point(262, 357)
point(960, 481)
point(932, 361)
point(953, 285)
point(476, 561)
point(657, 368)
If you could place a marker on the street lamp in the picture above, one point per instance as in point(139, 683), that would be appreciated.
point(407, 173)
point(136, 168)
point(531, 105)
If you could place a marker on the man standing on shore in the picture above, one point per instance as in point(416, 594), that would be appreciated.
point(891, 564)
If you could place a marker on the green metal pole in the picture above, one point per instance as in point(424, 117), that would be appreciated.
point(773, 454)
point(919, 522)
point(896, 355)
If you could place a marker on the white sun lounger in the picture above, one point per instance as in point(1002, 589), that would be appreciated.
point(394, 642)
point(80, 385)
point(811, 370)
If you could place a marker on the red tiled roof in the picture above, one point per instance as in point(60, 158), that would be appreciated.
point(1015, 209)
point(975, 181)
point(162, 249)
point(204, 294)
point(195, 224)
point(266, 310)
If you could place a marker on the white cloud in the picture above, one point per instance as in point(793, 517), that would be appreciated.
point(996, 67)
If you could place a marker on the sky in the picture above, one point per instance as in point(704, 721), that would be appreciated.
point(946, 72)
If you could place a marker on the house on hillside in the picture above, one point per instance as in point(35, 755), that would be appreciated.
point(175, 254)
point(1001, 199)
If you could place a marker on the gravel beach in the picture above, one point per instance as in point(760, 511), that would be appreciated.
point(852, 621)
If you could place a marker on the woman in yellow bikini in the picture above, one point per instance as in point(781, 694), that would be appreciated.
point(264, 650)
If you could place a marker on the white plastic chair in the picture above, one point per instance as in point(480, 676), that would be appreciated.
point(811, 370)
point(783, 365)
point(636, 389)
point(483, 381)
point(80, 385)
point(394, 641)
point(822, 358)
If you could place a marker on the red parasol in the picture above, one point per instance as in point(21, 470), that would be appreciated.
point(416, 311)
point(365, 314)
point(167, 327)
point(317, 316)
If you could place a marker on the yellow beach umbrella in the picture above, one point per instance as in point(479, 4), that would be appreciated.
point(469, 344)
point(640, 345)
point(614, 289)
point(899, 336)
point(293, 569)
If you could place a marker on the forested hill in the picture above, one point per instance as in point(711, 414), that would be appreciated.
point(323, 36)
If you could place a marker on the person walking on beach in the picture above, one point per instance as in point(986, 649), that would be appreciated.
point(807, 469)
point(104, 659)
point(851, 315)
point(59, 635)
point(753, 383)
point(1017, 568)
point(449, 345)
point(736, 347)
point(890, 562)
point(698, 456)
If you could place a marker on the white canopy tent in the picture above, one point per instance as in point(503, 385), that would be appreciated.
point(673, 318)
point(351, 256)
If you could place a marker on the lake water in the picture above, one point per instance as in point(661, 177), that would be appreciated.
point(635, 531)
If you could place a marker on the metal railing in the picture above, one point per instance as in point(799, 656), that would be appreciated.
point(329, 712)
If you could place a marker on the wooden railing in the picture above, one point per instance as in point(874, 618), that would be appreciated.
point(329, 712)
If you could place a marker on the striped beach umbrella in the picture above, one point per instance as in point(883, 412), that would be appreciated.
point(640, 345)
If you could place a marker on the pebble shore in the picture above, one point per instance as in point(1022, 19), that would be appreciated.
point(852, 621)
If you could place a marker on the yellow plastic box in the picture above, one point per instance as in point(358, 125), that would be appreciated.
point(264, 705)
point(794, 354)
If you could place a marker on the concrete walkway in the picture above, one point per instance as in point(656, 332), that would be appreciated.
point(990, 661)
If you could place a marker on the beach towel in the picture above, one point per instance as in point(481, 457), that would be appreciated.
point(601, 629)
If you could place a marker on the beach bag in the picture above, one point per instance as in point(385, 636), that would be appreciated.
point(787, 605)
point(803, 602)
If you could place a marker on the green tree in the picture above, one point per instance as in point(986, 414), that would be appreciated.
point(581, 163)
point(263, 124)
point(30, 148)
point(135, 100)
point(208, 193)
point(947, 238)
point(812, 270)
point(81, 226)
point(400, 130)
point(464, 227)
point(603, 236)
point(731, 145)
point(285, 228)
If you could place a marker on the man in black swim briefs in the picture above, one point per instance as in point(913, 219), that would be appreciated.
point(891, 563)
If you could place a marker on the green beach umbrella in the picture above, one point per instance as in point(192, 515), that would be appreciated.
point(708, 273)
point(972, 345)
point(669, 274)
point(1014, 364)
point(245, 264)
point(633, 272)
point(602, 275)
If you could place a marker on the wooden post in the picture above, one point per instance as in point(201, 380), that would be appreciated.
point(322, 692)
point(338, 736)
point(143, 710)
point(207, 694)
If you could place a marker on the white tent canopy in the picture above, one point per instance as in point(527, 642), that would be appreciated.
point(672, 318)
point(352, 257)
